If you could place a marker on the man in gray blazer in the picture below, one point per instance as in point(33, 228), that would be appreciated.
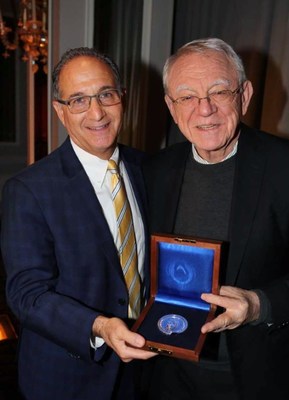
point(60, 245)
point(226, 182)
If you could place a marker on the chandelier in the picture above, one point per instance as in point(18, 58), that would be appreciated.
point(30, 33)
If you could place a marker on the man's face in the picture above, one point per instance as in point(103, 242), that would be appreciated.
point(96, 129)
point(212, 127)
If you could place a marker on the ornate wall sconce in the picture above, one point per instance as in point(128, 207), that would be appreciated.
point(30, 34)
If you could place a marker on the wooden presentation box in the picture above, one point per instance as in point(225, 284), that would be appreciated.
point(182, 268)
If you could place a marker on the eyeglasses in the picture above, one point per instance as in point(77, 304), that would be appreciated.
point(220, 97)
point(106, 98)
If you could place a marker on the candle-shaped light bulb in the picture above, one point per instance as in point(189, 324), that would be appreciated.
point(33, 10)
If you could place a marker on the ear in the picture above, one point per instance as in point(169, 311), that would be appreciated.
point(124, 99)
point(59, 111)
point(171, 107)
point(246, 96)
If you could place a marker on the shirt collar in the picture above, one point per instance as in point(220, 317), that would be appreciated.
point(93, 165)
point(200, 160)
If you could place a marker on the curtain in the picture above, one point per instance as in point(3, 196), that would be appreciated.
point(117, 32)
point(259, 31)
point(275, 110)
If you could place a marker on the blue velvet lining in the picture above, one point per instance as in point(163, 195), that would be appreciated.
point(184, 273)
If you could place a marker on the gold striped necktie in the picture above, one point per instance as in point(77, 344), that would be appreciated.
point(128, 250)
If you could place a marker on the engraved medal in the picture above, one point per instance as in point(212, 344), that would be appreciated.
point(172, 323)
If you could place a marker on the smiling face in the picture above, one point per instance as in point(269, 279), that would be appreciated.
point(212, 128)
point(95, 130)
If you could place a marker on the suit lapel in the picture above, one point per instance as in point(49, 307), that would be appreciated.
point(136, 179)
point(81, 192)
point(248, 179)
point(171, 181)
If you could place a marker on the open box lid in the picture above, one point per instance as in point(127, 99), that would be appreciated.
point(182, 268)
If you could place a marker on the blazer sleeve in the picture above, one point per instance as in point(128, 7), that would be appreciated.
point(28, 253)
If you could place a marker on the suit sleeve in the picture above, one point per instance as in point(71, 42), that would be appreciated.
point(28, 251)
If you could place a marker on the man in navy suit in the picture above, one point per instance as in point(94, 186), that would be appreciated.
point(226, 182)
point(60, 245)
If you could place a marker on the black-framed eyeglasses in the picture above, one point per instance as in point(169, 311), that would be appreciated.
point(219, 97)
point(106, 98)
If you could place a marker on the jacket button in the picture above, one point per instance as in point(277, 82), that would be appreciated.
point(74, 355)
point(121, 302)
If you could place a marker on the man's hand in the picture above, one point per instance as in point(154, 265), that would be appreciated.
point(127, 344)
point(241, 306)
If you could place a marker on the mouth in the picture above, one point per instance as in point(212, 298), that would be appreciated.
point(98, 127)
point(207, 127)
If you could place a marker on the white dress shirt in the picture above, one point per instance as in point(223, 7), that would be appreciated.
point(96, 170)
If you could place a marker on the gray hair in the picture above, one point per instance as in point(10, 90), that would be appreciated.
point(201, 46)
point(82, 52)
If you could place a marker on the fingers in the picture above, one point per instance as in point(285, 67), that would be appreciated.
point(128, 345)
point(128, 353)
point(241, 306)
point(219, 324)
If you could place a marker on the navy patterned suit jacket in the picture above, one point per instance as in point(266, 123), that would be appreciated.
point(62, 272)
point(258, 256)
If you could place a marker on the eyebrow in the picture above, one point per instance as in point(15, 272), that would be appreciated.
point(221, 82)
point(81, 94)
point(78, 94)
point(216, 83)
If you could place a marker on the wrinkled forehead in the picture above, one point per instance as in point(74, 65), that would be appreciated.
point(84, 71)
point(208, 66)
point(86, 65)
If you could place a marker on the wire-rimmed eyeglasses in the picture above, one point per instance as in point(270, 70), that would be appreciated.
point(106, 98)
point(220, 97)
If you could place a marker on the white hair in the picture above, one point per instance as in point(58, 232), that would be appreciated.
point(201, 46)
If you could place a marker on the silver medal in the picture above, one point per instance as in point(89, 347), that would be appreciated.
point(172, 323)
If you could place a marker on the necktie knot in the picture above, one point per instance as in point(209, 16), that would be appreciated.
point(112, 167)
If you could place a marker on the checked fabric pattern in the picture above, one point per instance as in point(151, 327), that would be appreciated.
point(128, 250)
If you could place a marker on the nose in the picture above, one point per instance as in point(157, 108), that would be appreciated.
point(96, 108)
point(206, 106)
